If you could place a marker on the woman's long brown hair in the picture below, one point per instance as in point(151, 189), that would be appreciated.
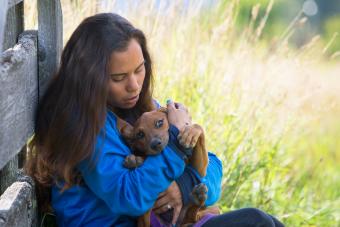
point(73, 109)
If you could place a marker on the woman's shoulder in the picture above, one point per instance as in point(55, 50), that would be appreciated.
point(111, 120)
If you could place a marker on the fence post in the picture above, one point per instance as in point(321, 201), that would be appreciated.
point(18, 97)
point(14, 26)
point(3, 14)
point(50, 42)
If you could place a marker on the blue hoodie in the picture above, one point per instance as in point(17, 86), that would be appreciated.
point(112, 195)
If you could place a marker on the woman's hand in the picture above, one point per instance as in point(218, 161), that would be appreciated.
point(171, 198)
point(178, 115)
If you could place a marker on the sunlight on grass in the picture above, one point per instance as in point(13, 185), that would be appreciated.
point(271, 112)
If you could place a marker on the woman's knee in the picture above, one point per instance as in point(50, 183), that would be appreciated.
point(258, 217)
point(246, 217)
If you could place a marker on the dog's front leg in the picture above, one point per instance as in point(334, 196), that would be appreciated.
point(193, 136)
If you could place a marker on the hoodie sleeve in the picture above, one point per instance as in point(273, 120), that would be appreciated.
point(130, 192)
point(213, 179)
point(190, 178)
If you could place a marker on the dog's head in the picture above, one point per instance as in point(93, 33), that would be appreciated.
point(149, 135)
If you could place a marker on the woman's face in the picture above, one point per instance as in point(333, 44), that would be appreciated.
point(127, 72)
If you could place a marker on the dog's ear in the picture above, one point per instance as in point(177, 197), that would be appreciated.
point(127, 133)
point(163, 109)
point(125, 129)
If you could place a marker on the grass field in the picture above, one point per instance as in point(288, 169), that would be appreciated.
point(271, 112)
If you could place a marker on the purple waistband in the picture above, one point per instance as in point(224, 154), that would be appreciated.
point(156, 223)
point(204, 220)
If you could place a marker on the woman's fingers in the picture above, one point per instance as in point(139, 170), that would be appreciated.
point(178, 115)
point(161, 202)
point(180, 106)
point(171, 198)
point(163, 209)
point(170, 105)
point(177, 211)
point(176, 105)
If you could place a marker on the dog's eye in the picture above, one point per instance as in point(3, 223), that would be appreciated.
point(159, 123)
point(140, 135)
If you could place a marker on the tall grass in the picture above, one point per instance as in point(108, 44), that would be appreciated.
point(270, 112)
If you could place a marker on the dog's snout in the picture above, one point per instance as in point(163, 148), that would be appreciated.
point(156, 143)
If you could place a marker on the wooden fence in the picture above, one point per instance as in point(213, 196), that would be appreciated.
point(27, 60)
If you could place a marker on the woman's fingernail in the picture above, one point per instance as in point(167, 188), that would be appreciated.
point(168, 101)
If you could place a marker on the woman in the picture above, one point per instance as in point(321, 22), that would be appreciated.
point(77, 153)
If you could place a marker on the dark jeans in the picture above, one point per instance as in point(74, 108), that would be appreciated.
point(246, 217)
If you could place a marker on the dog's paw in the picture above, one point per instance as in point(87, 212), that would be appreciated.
point(199, 194)
point(132, 161)
point(189, 136)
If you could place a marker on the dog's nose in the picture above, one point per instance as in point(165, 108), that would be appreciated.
point(155, 144)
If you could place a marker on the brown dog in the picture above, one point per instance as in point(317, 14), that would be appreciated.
point(149, 136)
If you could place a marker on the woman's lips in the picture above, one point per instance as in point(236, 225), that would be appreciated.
point(132, 99)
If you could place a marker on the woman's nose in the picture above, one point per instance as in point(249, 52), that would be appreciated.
point(132, 84)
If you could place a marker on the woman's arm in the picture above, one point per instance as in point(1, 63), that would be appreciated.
point(130, 192)
point(213, 179)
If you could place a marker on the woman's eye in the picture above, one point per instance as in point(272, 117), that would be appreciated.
point(159, 123)
point(139, 71)
point(117, 78)
point(140, 135)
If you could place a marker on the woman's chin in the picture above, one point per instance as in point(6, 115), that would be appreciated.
point(129, 105)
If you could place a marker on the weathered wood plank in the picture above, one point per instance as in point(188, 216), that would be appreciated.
point(22, 156)
point(14, 26)
point(17, 205)
point(8, 174)
point(18, 96)
point(3, 14)
point(13, 2)
point(49, 39)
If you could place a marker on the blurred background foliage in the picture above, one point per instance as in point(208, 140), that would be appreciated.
point(319, 17)
point(323, 18)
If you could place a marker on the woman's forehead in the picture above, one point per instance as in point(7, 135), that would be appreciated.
point(127, 60)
